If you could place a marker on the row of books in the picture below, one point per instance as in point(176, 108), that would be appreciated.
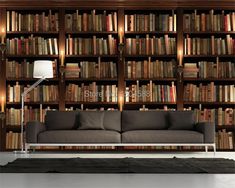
point(206, 69)
point(91, 46)
point(165, 108)
point(13, 115)
point(150, 93)
point(45, 21)
point(86, 69)
point(209, 22)
point(91, 93)
point(209, 93)
point(209, 46)
point(224, 140)
point(91, 22)
point(219, 116)
point(32, 46)
point(150, 22)
point(72, 108)
point(150, 69)
point(42, 93)
point(150, 46)
point(13, 140)
point(24, 69)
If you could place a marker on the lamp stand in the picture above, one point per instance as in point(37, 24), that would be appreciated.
point(23, 151)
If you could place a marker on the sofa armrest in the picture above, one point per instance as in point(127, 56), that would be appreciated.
point(33, 128)
point(208, 129)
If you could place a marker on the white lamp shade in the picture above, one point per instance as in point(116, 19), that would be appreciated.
point(43, 69)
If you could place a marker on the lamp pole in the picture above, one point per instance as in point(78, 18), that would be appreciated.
point(22, 113)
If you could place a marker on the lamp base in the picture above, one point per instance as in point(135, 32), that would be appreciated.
point(21, 152)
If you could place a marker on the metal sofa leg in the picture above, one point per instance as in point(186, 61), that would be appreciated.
point(214, 148)
point(27, 147)
point(206, 148)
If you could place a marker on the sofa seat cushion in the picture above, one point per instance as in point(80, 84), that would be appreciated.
point(162, 136)
point(79, 136)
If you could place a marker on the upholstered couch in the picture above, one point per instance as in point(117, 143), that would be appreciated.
point(117, 128)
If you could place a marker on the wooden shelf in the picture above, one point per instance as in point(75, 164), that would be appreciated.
point(14, 128)
point(91, 79)
point(32, 56)
point(150, 103)
point(152, 56)
point(224, 150)
point(227, 127)
point(29, 79)
point(125, 7)
point(209, 32)
point(32, 103)
point(208, 56)
point(13, 33)
point(149, 79)
point(150, 32)
point(210, 103)
point(91, 103)
point(209, 79)
point(91, 32)
point(93, 56)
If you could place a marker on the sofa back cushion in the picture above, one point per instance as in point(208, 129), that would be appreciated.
point(91, 120)
point(181, 120)
point(112, 120)
point(61, 120)
point(144, 120)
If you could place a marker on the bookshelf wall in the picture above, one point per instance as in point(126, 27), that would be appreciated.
point(131, 50)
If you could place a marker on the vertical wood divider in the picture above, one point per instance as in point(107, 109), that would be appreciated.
point(3, 82)
point(62, 38)
point(180, 46)
point(121, 59)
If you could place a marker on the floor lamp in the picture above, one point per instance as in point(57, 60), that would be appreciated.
point(42, 69)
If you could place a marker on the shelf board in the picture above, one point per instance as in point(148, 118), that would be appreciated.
point(209, 79)
point(148, 79)
point(87, 56)
point(31, 103)
point(227, 127)
point(146, 56)
point(150, 103)
point(14, 128)
point(90, 103)
point(150, 32)
point(91, 79)
point(208, 56)
point(92, 32)
point(32, 33)
point(209, 32)
point(28, 79)
point(31, 56)
point(210, 103)
point(223, 150)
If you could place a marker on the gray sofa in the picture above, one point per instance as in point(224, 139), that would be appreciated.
point(115, 128)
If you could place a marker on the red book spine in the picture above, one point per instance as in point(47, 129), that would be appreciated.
point(225, 24)
point(19, 50)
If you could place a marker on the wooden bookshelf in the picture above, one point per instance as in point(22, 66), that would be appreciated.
point(120, 57)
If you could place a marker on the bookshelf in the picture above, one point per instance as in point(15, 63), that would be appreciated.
point(120, 47)
point(30, 35)
point(91, 58)
point(150, 58)
point(209, 69)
